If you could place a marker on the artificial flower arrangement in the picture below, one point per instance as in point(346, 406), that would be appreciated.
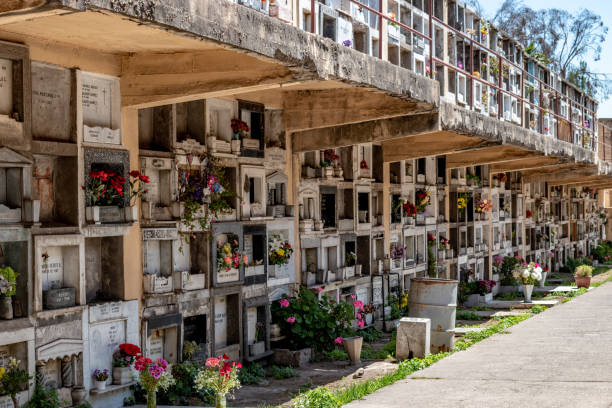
point(528, 214)
point(229, 256)
point(483, 206)
point(329, 157)
point(443, 245)
point(205, 194)
point(461, 203)
point(350, 259)
point(528, 274)
point(152, 376)
point(431, 239)
point(501, 177)
point(397, 252)
point(410, 209)
point(422, 199)
point(13, 380)
point(126, 356)
point(136, 181)
point(485, 286)
point(104, 187)
point(239, 128)
point(8, 281)
point(279, 252)
point(363, 165)
point(219, 375)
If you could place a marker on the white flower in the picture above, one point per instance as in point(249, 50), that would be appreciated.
point(525, 273)
point(538, 270)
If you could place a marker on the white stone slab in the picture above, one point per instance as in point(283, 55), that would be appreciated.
point(6, 86)
point(220, 322)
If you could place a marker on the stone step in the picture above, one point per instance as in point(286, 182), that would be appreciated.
point(519, 304)
point(462, 331)
point(560, 288)
point(508, 313)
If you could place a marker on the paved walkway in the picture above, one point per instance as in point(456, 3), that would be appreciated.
point(559, 358)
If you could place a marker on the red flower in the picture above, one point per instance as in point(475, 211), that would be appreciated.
point(225, 357)
point(130, 349)
point(134, 173)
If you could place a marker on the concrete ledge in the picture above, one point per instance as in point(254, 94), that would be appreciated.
point(310, 56)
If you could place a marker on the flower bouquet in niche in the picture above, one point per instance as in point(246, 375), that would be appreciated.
point(229, 256)
point(528, 275)
point(122, 362)
point(152, 376)
point(219, 375)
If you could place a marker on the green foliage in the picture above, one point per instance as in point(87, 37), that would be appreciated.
point(317, 398)
point(509, 296)
point(536, 54)
point(83, 405)
point(335, 355)
point(11, 276)
point(281, 373)
point(251, 374)
point(182, 391)
point(510, 263)
point(468, 315)
point(481, 308)
point(370, 334)
point(43, 397)
point(537, 309)
point(572, 263)
point(317, 322)
point(584, 271)
point(14, 379)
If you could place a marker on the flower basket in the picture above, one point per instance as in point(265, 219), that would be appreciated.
point(122, 375)
point(583, 281)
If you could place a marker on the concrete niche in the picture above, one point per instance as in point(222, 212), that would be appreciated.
point(101, 108)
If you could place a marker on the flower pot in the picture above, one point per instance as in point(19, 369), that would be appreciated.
point(543, 280)
point(122, 375)
point(275, 330)
point(6, 307)
point(363, 216)
point(328, 171)
point(131, 213)
point(527, 290)
point(339, 172)
point(358, 270)
point(352, 346)
point(100, 385)
point(235, 143)
point(92, 214)
point(583, 281)
point(258, 348)
point(79, 395)
point(220, 401)
point(368, 318)
point(273, 10)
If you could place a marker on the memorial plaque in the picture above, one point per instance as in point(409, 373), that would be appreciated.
point(5, 356)
point(220, 322)
point(377, 293)
point(97, 98)
point(248, 246)
point(6, 87)
point(363, 294)
point(104, 339)
point(106, 311)
point(276, 158)
point(156, 344)
point(251, 324)
point(345, 30)
point(228, 275)
point(51, 88)
point(52, 270)
point(51, 374)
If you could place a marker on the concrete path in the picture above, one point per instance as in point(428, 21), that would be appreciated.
point(559, 358)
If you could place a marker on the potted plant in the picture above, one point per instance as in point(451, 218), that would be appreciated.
point(239, 129)
point(259, 346)
point(8, 287)
point(327, 164)
point(229, 257)
point(104, 188)
point(583, 275)
point(122, 362)
point(219, 375)
point(152, 376)
point(100, 377)
point(368, 311)
point(136, 184)
point(13, 380)
point(279, 252)
point(528, 275)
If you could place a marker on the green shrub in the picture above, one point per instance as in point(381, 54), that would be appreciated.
point(510, 263)
point(310, 322)
point(584, 271)
point(537, 309)
point(281, 373)
point(370, 334)
point(251, 374)
point(317, 398)
point(43, 397)
point(467, 315)
point(335, 354)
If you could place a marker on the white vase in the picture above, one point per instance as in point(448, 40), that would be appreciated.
point(100, 385)
point(543, 280)
point(527, 290)
point(235, 144)
point(92, 214)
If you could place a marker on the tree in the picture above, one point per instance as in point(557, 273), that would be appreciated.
point(567, 39)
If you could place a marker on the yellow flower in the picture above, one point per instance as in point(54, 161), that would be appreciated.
point(461, 203)
point(281, 252)
point(1, 372)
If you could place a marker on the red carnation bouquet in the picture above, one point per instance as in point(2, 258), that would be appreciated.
point(409, 209)
point(137, 182)
point(219, 375)
point(126, 355)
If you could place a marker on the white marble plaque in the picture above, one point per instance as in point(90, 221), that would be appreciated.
point(225, 275)
point(6, 86)
point(156, 345)
point(106, 311)
point(220, 322)
point(104, 340)
point(345, 30)
point(52, 270)
point(5, 356)
point(377, 293)
point(51, 87)
point(251, 324)
point(363, 294)
point(97, 95)
point(276, 158)
point(248, 246)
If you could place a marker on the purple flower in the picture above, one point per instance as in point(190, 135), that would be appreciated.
point(347, 43)
point(156, 371)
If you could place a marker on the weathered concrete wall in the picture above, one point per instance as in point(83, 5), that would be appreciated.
point(310, 56)
point(462, 121)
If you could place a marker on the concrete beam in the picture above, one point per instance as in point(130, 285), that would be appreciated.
point(372, 131)
point(569, 180)
point(315, 109)
point(490, 155)
point(430, 144)
point(556, 174)
point(601, 180)
point(527, 164)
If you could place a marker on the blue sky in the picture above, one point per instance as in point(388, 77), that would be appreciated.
point(601, 7)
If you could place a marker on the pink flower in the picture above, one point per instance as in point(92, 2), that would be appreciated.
point(358, 304)
point(353, 297)
point(537, 265)
point(358, 315)
point(212, 362)
point(360, 323)
point(338, 340)
point(284, 302)
point(162, 363)
point(319, 289)
point(155, 371)
point(245, 259)
point(291, 320)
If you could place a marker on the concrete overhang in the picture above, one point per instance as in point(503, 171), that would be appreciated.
point(176, 50)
